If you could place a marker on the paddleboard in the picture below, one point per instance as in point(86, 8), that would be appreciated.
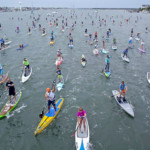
point(60, 85)
point(123, 104)
point(90, 42)
point(51, 42)
point(71, 46)
point(8, 42)
point(142, 50)
point(137, 39)
point(104, 51)
point(43, 34)
point(28, 74)
point(29, 33)
point(114, 47)
point(59, 61)
point(49, 117)
point(126, 59)
point(148, 77)
point(4, 78)
point(8, 107)
point(83, 63)
point(85, 34)
point(82, 138)
point(4, 48)
point(24, 45)
point(107, 73)
point(95, 51)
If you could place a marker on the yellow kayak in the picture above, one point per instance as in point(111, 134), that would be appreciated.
point(49, 117)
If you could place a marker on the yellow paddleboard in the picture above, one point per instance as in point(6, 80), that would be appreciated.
point(49, 117)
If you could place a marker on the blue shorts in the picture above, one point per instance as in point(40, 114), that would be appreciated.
point(51, 102)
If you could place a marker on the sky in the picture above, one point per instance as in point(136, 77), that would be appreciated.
point(76, 3)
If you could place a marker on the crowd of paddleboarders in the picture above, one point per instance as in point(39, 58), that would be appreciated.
point(58, 83)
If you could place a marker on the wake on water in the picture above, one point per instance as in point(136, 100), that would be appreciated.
point(18, 110)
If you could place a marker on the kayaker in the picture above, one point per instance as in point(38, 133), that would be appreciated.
point(122, 90)
point(52, 37)
point(125, 52)
point(1, 71)
point(27, 66)
point(43, 30)
point(81, 117)
point(58, 72)
point(107, 61)
point(11, 87)
point(83, 59)
point(50, 97)
point(21, 46)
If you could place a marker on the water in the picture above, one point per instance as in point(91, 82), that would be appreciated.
point(110, 127)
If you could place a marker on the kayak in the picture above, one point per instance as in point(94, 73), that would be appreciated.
point(82, 138)
point(60, 85)
point(59, 61)
point(49, 117)
point(4, 78)
point(148, 77)
point(114, 47)
point(3, 48)
point(51, 42)
point(107, 73)
point(83, 63)
point(8, 42)
point(124, 104)
point(142, 50)
point(126, 59)
point(26, 76)
point(24, 45)
point(95, 51)
point(71, 46)
point(43, 34)
point(104, 51)
point(8, 107)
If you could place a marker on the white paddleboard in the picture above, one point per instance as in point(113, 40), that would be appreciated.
point(124, 105)
point(82, 138)
point(25, 78)
point(126, 59)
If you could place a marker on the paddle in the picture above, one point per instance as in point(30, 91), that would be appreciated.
point(76, 129)
point(42, 113)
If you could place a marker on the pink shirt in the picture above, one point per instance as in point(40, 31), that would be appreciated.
point(81, 114)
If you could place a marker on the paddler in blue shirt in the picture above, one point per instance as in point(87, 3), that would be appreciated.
point(107, 61)
point(2, 42)
point(125, 52)
point(122, 89)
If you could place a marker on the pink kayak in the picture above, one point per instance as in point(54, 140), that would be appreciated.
point(142, 50)
point(59, 61)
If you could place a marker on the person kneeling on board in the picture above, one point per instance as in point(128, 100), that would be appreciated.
point(81, 117)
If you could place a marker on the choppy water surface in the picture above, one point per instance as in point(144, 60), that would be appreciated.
point(110, 127)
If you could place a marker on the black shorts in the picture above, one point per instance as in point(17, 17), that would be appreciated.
point(51, 102)
point(12, 93)
point(28, 66)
